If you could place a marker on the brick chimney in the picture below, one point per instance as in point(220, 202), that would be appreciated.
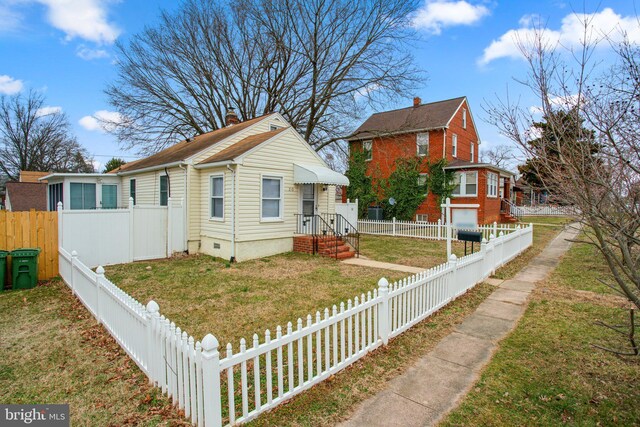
point(417, 101)
point(231, 118)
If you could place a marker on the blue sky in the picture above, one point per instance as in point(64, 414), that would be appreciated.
point(65, 49)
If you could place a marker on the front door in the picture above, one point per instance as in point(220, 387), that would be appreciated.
point(308, 199)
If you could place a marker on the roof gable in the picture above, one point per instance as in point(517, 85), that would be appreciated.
point(241, 147)
point(188, 148)
point(27, 195)
point(434, 115)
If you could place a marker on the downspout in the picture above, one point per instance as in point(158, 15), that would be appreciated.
point(233, 214)
point(185, 209)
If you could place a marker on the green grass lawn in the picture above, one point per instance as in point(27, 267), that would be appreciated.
point(547, 372)
point(546, 220)
point(53, 351)
point(415, 252)
point(202, 295)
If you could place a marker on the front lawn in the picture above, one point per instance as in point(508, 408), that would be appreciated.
point(547, 372)
point(203, 295)
point(423, 253)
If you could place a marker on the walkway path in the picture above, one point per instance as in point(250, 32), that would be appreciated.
point(437, 382)
point(365, 262)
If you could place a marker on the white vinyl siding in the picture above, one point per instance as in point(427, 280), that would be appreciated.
point(216, 209)
point(422, 144)
point(492, 184)
point(466, 184)
point(271, 200)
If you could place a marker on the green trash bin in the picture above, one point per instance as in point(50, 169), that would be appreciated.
point(3, 268)
point(24, 268)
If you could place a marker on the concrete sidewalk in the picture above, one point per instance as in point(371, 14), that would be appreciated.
point(437, 382)
point(366, 262)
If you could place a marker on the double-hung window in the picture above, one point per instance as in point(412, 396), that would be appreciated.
point(472, 152)
point(164, 190)
point(217, 197)
point(454, 145)
point(367, 149)
point(83, 195)
point(464, 118)
point(422, 144)
point(492, 184)
point(271, 203)
point(466, 184)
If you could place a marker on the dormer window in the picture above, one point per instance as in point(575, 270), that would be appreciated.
point(422, 144)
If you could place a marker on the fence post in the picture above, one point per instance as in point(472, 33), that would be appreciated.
point(394, 225)
point(453, 263)
point(492, 243)
point(211, 382)
point(74, 260)
point(131, 232)
point(439, 228)
point(495, 228)
point(153, 315)
point(501, 239)
point(169, 226)
point(99, 277)
point(485, 259)
point(60, 225)
point(384, 319)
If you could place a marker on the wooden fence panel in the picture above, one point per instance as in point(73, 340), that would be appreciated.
point(33, 229)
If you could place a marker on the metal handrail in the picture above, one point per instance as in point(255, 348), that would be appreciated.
point(346, 230)
point(317, 227)
point(510, 208)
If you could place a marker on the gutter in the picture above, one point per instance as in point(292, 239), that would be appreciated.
point(214, 164)
point(152, 168)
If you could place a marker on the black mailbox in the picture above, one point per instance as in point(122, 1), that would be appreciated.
point(470, 236)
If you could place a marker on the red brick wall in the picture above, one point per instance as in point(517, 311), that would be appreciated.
point(303, 244)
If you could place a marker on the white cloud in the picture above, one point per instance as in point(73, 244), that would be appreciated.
point(101, 121)
point(45, 111)
point(88, 54)
point(571, 33)
point(433, 16)
point(9, 85)
point(10, 19)
point(562, 102)
point(85, 19)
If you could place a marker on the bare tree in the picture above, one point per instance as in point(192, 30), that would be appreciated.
point(33, 138)
point(502, 155)
point(317, 62)
point(604, 185)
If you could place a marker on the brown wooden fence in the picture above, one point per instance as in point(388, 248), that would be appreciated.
point(33, 229)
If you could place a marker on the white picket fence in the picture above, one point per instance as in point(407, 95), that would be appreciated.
point(425, 230)
point(215, 391)
point(116, 236)
point(544, 210)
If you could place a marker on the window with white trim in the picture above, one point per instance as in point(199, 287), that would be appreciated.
point(422, 181)
point(466, 184)
point(472, 152)
point(422, 218)
point(422, 144)
point(367, 149)
point(464, 119)
point(492, 184)
point(216, 208)
point(271, 203)
point(454, 145)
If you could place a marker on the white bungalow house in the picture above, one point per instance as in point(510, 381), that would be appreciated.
point(242, 187)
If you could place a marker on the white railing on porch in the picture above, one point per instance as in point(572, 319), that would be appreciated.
point(243, 383)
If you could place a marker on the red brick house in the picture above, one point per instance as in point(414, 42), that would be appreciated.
point(443, 129)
